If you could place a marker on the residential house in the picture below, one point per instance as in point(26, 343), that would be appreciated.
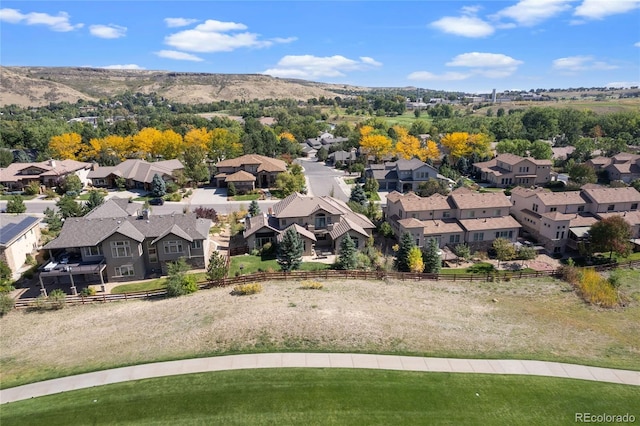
point(326, 140)
point(624, 166)
point(402, 175)
point(343, 157)
point(16, 176)
point(512, 170)
point(322, 222)
point(137, 173)
point(127, 243)
point(249, 171)
point(463, 216)
point(560, 220)
point(19, 236)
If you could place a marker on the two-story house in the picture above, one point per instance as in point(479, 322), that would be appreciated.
point(322, 223)
point(127, 246)
point(16, 176)
point(512, 170)
point(249, 171)
point(624, 166)
point(559, 220)
point(19, 237)
point(463, 216)
point(402, 175)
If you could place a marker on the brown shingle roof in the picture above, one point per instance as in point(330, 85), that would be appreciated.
point(605, 195)
point(240, 176)
point(434, 227)
point(474, 200)
point(11, 173)
point(266, 164)
point(412, 202)
point(490, 223)
point(561, 198)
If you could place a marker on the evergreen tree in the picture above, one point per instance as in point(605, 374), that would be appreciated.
point(53, 219)
point(69, 207)
point(431, 258)
point(16, 205)
point(347, 257)
point(95, 199)
point(401, 262)
point(231, 189)
point(158, 186)
point(371, 185)
point(358, 195)
point(290, 251)
point(254, 208)
point(218, 267)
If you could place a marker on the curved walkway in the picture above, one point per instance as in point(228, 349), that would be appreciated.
point(320, 360)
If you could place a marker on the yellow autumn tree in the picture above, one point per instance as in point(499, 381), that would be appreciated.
point(169, 146)
point(480, 144)
point(457, 144)
point(198, 137)
point(287, 135)
point(407, 146)
point(416, 264)
point(66, 146)
point(429, 152)
point(365, 131)
point(224, 145)
point(376, 145)
point(144, 141)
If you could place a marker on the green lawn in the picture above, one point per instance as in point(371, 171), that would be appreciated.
point(246, 197)
point(150, 285)
point(328, 396)
point(252, 264)
point(24, 197)
point(373, 196)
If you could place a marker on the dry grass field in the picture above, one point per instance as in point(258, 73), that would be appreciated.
point(541, 319)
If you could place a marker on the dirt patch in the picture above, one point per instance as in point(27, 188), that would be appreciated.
point(538, 319)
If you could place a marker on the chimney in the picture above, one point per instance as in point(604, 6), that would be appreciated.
point(52, 162)
point(145, 214)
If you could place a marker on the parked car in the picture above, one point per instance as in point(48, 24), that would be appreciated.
point(156, 201)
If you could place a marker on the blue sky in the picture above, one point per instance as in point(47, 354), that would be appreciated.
point(471, 46)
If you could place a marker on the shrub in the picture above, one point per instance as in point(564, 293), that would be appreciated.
point(57, 299)
point(172, 188)
point(6, 304)
point(88, 291)
point(255, 252)
point(481, 268)
point(246, 289)
point(32, 189)
point(570, 274)
point(595, 289)
point(173, 197)
point(311, 285)
point(30, 260)
point(267, 248)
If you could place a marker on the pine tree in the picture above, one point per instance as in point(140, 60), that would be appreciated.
point(217, 268)
point(431, 258)
point(158, 186)
point(290, 251)
point(254, 208)
point(95, 199)
point(358, 195)
point(53, 219)
point(347, 257)
point(401, 262)
point(16, 205)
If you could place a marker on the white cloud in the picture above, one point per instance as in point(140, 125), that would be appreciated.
point(311, 67)
point(58, 23)
point(466, 26)
point(108, 31)
point(284, 40)
point(532, 12)
point(124, 67)
point(428, 76)
point(581, 63)
point(598, 9)
point(623, 84)
point(213, 36)
point(179, 22)
point(490, 65)
point(180, 56)
point(637, 44)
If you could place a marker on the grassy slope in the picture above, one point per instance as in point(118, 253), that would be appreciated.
point(251, 264)
point(316, 396)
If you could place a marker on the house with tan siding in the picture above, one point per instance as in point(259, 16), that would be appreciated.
point(263, 169)
point(19, 237)
point(511, 170)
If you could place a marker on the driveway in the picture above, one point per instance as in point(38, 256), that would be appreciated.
point(323, 179)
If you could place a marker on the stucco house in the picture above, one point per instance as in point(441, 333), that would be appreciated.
point(19, 236)
point(126, 242)
point(511, 170)
point(263, 171)
point(322, 222)
point(137, 173)
point(16, 176)
point(623, 166)
point(463, 216)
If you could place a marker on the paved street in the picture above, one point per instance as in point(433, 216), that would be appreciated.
point(322, 179)
point(320, 360)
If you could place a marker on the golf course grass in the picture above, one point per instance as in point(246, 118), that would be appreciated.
point(329, 396)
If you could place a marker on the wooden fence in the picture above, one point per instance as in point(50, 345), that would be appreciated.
point(325, 274)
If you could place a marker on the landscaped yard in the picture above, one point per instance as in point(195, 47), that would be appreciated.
point(316, 396)
point(24, 197)
point(150, 285)
point(245, 197)
point(251, 264)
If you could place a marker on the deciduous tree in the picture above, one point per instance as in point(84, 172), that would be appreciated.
point(66, 146)
point(415, 260)
point(456, 144)
point(376, 145)
point(505, 250)
point(611, 234)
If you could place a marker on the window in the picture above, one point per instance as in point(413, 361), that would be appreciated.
point(611, 207)
point(153, 254)
point(553, 209)
point(356, 241)
point(580, 208)
point(124, 271)
point(504, 234)
point(196, 244)
point(498, 212)
point(120, 249)
point(472, 213)
point(478, 236)
point(634, 206)
point(173, 247)
point(446, 214)
point(454, 238)
point(535, 207)
point(93, 251)
point(321, 221)
point(283, 222)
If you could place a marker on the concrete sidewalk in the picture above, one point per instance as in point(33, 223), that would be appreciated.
point(320, 360)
